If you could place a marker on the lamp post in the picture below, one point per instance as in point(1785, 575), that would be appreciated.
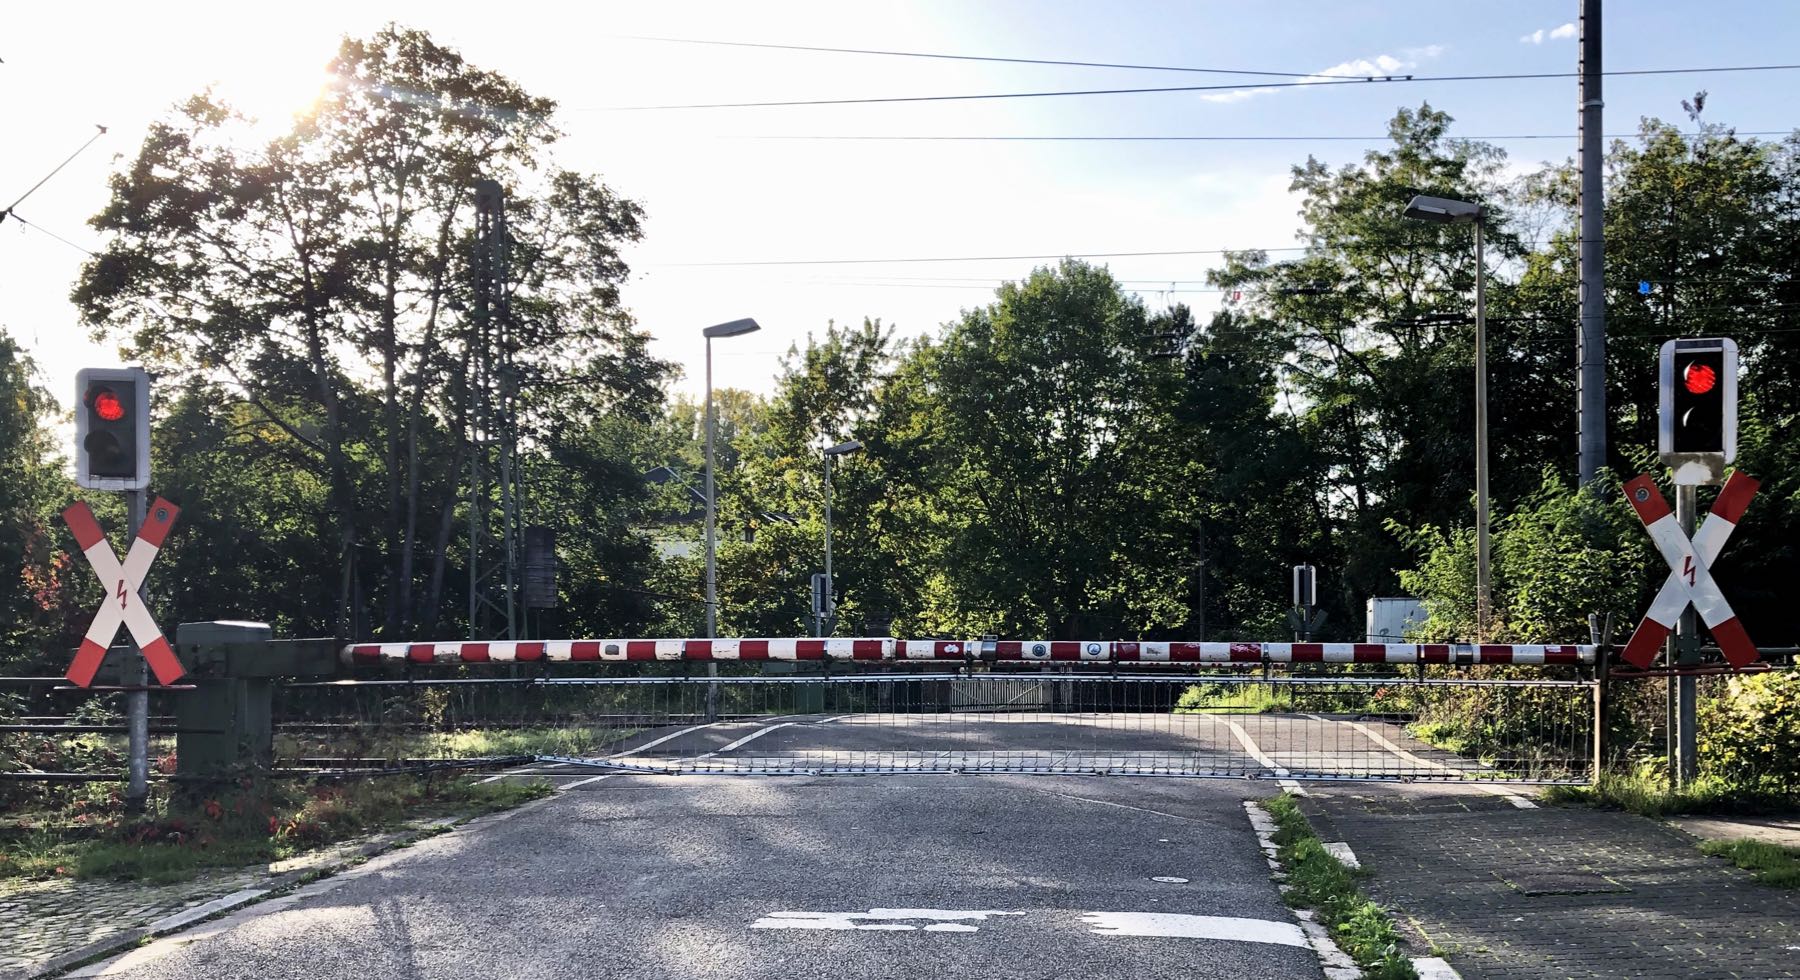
point(828, 617)
point(1446, 211)
point(733, 329)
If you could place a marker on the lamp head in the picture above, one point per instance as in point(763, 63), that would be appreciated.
point(1443, 210)
point(732, 329)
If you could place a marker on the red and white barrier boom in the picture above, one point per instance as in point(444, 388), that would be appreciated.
point(1003, 651)
point(1690, 577)
point(122, 602)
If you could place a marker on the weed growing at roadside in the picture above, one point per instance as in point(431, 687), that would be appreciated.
point(1772, 864)
point(1318, 881)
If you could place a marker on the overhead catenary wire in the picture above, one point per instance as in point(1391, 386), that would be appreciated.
point(965, 57)
point(100, 131)
point(926, 138)
point(1309, 82)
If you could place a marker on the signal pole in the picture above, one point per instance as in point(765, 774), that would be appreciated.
point(1590, 344)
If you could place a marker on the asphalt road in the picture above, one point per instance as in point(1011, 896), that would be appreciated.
point(893, 876)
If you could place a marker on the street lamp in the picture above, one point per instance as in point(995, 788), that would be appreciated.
point(733, 329)
point(1446, 211)
point(829, 611)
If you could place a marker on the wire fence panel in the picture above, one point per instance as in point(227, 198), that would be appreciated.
point(1331, 727)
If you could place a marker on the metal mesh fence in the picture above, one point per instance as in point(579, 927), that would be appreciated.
point(1329, 726)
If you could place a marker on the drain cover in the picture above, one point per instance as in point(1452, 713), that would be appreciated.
point(1563, 883)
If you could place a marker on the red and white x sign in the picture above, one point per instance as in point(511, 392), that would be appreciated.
point(122, 603)
point(1690, 579)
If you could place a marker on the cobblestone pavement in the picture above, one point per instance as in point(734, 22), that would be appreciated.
point(40, 920)
point(1558, 892)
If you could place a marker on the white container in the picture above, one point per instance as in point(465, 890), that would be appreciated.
point(1392, 618)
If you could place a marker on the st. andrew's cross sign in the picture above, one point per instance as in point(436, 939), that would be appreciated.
point(121, 583)
point(1690, 578)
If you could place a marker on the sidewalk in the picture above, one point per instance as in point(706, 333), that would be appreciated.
point(47, 924)
point(1554, 892)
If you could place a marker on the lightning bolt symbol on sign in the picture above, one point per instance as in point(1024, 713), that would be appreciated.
point(123, 592)
point(1687, 568)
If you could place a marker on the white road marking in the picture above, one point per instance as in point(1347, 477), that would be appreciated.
point(521, 771)
point(1263, 759)
point(590, 779)
point(759, 733)
point(1176, 925)
point(878, 920)
point(1169, 880)
point(1436, 968)
point(655, 742)
point(1379, 739)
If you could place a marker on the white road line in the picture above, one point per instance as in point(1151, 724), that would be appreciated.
point(1379, 739)
point(655, 742)
point(584, 782)
point(759, 733)
point(521, 771)
point(1183, 926)
point(1262, 758)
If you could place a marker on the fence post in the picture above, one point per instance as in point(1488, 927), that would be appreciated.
point(1602, 654)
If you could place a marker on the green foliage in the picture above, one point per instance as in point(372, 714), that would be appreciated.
point(38, 602)
point(308, 303)
point(1772, 864)
point(1646, 792)
point(1750, 736)
point(1560, 555)
point(1318, 881)
point(181, 840)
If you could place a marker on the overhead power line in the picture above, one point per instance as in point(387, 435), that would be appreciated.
point(1310, 81)
point(969, 57)
point(100, 131)
point(1198, 139)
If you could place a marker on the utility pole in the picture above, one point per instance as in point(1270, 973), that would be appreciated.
point(1590, 346)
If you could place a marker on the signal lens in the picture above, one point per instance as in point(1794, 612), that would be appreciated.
point(1699, 378)
point(108, 406)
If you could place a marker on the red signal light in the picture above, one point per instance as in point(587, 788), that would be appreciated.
point(108, 406)
point(1699, 378)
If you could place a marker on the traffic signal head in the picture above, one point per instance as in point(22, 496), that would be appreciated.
point(112, 428)
point(1697, 434)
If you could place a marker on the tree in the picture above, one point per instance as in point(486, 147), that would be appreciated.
point(39, 582)
point(1052, 438)
point(320, 279)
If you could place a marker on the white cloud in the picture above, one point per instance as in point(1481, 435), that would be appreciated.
point(1540, 35)
point(1381, 64)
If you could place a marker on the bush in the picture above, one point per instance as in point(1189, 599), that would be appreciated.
point(1750, 735)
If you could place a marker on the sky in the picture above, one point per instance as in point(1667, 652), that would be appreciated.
point(784, 183)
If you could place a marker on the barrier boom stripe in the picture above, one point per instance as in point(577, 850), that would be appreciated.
point(1005, 651)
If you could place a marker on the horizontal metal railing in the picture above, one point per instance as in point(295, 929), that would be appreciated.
point(1282, 726)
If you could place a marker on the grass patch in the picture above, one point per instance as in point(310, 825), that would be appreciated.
point(1319, 882)
point(1235, 699)
point(478, 743)
point(1771, 864)
point(178, 841)
point(1649, 795)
